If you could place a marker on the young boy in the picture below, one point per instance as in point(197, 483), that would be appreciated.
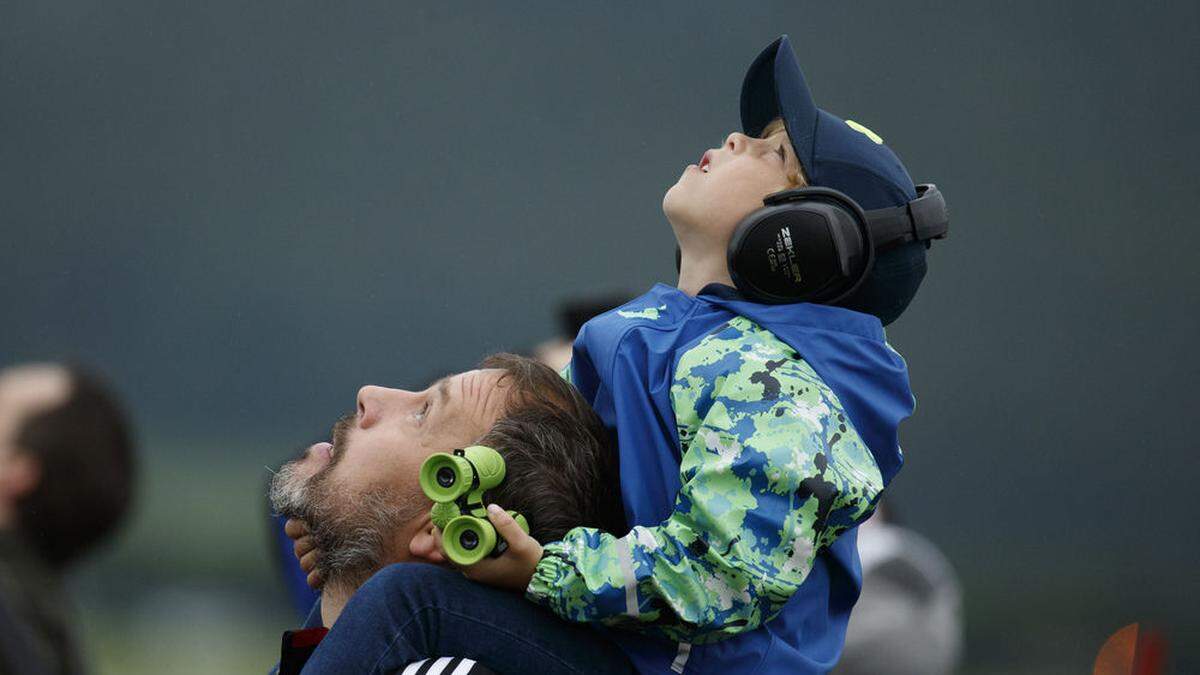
point(753, 438)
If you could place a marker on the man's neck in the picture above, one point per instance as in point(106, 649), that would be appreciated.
point(333, 599)
point(698, 269)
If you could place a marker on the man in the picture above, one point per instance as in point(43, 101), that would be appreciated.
point(66, 480)
point(364, 509)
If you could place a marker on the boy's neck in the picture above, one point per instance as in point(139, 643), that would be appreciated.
point(699, 268)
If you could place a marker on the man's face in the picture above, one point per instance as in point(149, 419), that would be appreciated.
point(360, 494)
point(729, 182)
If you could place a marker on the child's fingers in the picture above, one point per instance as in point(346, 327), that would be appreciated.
point(514, 568)
point(302, 546)
point(314, 580)
point(308, 562)
point(518, 540)
point(294, 528)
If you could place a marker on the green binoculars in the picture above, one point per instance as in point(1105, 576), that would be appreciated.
point(456, 482)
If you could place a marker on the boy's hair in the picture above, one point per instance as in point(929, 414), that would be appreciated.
point(561, 470)
point(795, 178)
point(86, 461)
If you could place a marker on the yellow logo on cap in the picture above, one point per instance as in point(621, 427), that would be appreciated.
point(865, 131)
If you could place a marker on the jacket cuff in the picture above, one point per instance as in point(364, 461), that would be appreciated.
point(551, 577)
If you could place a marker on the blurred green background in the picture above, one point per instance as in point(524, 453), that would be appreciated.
point(240, 212)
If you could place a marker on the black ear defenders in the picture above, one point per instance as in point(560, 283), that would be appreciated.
point(815, 244)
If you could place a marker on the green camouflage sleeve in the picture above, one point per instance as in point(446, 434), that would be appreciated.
point(772, 471)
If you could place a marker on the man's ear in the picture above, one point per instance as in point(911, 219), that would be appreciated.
point(425, 544)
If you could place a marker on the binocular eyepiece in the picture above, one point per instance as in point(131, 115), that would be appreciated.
point(456, 483)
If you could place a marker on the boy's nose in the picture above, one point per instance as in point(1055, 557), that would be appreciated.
point(735, 141)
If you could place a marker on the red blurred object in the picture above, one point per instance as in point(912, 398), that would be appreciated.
point(1132, 651)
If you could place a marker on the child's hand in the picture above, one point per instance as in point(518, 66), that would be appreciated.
point(305, 549)
point(514, 568)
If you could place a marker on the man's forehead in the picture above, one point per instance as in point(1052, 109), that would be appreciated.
point(469, 382)
point(481, 392)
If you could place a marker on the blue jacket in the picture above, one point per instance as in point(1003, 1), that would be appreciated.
point(753, 439)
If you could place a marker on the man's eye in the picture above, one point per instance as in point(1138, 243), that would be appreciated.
point(782, 156)
point(424, 410)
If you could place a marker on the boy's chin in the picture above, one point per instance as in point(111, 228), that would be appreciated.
point(676, 206)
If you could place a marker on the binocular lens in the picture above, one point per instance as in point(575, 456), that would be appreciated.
point(469, 540)
point(445, 476)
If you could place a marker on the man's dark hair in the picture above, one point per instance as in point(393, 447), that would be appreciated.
point(561, 469)
point(85, 456)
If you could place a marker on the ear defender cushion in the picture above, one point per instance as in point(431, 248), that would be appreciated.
point(805, 245)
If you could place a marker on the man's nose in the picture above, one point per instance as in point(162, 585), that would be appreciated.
point(375, 402)
point(368, 405)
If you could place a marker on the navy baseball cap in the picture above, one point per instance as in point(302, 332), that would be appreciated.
point(843, 155)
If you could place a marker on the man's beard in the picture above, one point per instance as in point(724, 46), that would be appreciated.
point(351, 530)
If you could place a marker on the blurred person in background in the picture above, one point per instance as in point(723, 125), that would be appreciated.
point(363, 527)
point(908, 620)
point(572, 314)
point(66, 482)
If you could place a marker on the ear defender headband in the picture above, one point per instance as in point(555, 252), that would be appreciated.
point(815, 244)
point(456, 483)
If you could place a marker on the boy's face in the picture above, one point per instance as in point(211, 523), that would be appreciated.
point(729, 182)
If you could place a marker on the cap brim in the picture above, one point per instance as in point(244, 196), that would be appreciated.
point(775, 87)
